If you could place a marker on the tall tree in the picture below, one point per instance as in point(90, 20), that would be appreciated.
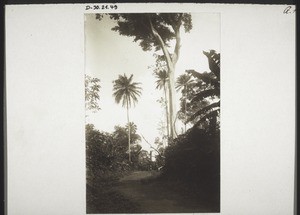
point(127, 92)
point(92, 89)
point(183, 83)
point(157, 30)
point(161, 82)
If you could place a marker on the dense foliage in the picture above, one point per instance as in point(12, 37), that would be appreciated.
point(138, 26)
point(107, 161)
point(103, 153)
point(109, 152)
point(193, 158)
point(194, 161)
point(200, 104)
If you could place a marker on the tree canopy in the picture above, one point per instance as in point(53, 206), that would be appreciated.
point(138, 25)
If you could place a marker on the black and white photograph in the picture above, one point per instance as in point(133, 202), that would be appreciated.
point(152, 96)
point(150, 108)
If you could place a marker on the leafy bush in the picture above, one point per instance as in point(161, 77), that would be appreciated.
point(104, 155)
point(106, 161)
point(194, 159)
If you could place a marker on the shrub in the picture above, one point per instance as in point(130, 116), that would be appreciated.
point(194, 159)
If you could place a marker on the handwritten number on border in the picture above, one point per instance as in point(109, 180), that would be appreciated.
point(101, 7)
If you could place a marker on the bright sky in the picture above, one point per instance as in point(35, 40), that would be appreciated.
point(109, 54)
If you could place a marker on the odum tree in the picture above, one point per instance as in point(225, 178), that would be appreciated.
point(127, 92)
point(156, 31)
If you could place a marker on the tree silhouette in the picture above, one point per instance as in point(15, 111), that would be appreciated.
point(157, 30)
point(127, 92)
point(183, 83)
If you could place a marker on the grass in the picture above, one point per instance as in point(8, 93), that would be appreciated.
point(101, 198)
point(109, 201)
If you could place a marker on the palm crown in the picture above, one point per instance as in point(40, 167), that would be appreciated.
point(183, 81)
point(162, 78)
point(126, 91)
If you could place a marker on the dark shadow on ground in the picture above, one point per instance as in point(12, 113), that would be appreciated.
point(145, 192)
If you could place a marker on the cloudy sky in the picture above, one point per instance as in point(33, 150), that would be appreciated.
point(107, 55)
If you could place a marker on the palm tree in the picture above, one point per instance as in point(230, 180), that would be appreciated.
point(161, 82)
point(128, 92)
point(134, 137)
point(131, 126)
point(183, 82)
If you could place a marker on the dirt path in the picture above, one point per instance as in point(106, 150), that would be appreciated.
point(156, 197)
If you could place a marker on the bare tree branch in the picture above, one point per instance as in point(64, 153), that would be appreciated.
point(153, 147)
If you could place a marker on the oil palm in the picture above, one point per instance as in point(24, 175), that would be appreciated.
point(161, 82)
point(182, 83)
point(126, 92)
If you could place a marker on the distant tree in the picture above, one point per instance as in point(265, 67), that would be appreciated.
point(183, 83)
point(120, 137)
point(161, 128)
point(207, 89)
point(135, 151)
point(161, 81)
point(160, 157)
point(127, 92)
point(157, 30)
point(92, 89)
point(132, 128)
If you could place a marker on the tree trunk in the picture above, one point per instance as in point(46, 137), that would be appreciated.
point(171, 62)
point(171, 84)
point(129, 154)
point(167, 112)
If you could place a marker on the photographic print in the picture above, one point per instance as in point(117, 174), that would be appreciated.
point(116, 108)
point(152, 87)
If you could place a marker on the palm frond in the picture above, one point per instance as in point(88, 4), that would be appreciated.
point(208, 78)
point(213, 62)
point(209, 115)
point(206, 93)
point(204, 110)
